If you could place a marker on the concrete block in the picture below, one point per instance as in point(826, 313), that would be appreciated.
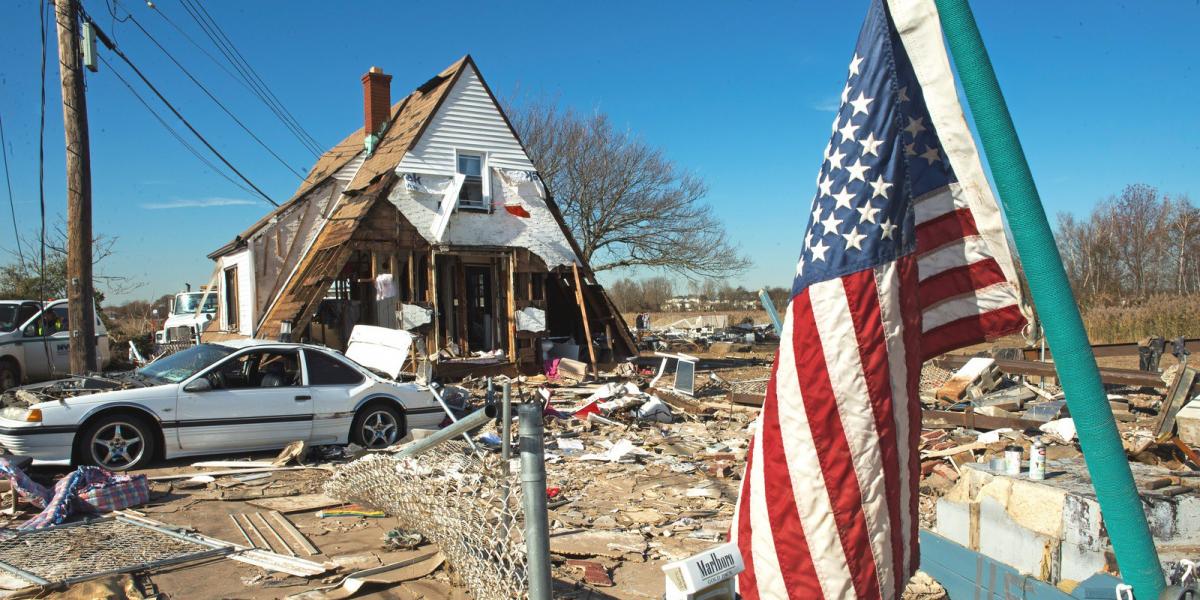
point(1002, 538)
point(954, 522)
point(1187, 423)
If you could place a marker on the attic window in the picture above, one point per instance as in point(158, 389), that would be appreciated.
point(471, 196)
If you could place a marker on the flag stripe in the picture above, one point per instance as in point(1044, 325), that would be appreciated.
point(809, 483)
point(939, 202)
point(951, 226)
point(958, 281)
point(909, 318)
point(970, 330)
point(833, 449)
point(741, 532)
point(780, 507)
point(862, 296)
point(856, 402)
point(951, 256)
point(967, 305)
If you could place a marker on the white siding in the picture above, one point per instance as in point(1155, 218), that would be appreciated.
point(467, 120)
point(245, 276)
point(346, 173)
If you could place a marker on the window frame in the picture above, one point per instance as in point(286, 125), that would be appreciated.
point(337, 359)
point(240, 354)
point(484, 180)
point(229, 293)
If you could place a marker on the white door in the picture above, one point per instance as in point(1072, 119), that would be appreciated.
point(258, 400)
point(47, 343)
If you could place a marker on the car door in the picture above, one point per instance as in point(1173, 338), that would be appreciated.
point(47, 344)
point(336, 387)
point(258, 398)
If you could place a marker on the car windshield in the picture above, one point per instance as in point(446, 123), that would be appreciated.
point(185, 363)
point(8, 316)
point(185, 304)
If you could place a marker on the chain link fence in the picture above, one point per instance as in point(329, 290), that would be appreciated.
point(457, 499)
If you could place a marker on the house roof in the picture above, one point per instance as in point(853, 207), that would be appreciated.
point(410, 116)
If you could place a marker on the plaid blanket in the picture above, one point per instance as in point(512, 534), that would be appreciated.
point(87, 489)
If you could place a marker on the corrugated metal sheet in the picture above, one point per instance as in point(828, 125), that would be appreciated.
point(467, 120)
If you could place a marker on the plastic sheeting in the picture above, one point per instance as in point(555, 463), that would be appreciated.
point(419, 198)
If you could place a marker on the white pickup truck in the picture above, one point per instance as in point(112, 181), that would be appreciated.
point(34, 345)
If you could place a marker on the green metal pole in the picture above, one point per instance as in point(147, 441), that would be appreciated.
point(1120, 504)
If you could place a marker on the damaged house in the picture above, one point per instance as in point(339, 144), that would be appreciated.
point(432, 219)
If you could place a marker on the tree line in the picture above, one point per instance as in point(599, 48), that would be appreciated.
point(1133, 245)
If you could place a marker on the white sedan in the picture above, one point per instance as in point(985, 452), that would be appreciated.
point(234, 396)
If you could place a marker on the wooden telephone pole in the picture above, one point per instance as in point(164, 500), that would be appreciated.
point(80, 291)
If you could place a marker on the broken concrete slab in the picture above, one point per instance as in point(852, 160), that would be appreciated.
point(613, 544)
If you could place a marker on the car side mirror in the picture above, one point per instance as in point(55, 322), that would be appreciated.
point(199, 385)
point(30, 331)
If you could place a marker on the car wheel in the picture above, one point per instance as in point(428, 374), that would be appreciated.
point(377, 426)
point(10, 377)
point(117, 443)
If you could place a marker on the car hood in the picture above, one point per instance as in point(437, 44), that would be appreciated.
point(109, 387)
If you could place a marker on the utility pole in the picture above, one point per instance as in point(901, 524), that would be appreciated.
point(80, 291)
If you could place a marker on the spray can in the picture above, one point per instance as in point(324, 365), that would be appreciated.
point(1037, 461)
point(1012, 460)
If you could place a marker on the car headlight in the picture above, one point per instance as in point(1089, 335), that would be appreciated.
point(16, 413)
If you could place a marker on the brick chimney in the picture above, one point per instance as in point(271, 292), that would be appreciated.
point(377, 104)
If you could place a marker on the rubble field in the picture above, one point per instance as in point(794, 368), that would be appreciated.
point(638, 475)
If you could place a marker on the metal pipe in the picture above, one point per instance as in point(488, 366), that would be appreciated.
point(450, 413)
point(461, 427)
point(769, 306)
point(506, 427)
point(1120, 504)
point(533, 496)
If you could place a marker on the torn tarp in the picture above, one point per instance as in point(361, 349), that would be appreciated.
point(87, 489)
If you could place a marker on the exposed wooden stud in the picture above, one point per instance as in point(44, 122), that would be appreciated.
point(512, 307)
point(433, 299)
point(460, 312)
point(587, 328)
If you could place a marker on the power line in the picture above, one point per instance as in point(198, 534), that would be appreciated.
point(11, 203)
point(225, 45)
point(171, 130)
point(108, 43)
point(214, 98)
point(254, 73)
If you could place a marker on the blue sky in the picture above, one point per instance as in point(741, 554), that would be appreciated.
point(1103, 94)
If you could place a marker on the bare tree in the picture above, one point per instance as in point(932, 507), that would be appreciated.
point(1185, 229)
point(627, 204)
point(1140, 225)
point(23, 277)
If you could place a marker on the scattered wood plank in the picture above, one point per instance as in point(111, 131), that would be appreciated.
point(972, 420)
point(1039, 369)
point(296, 504)
point(301, 541)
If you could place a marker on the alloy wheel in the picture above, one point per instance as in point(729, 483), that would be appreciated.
point(379, 429)
point(117, 445)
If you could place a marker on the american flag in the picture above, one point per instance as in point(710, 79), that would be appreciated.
point(904, 258)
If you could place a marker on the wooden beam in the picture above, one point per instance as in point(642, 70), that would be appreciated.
point(973, 420)
point(512, 306)
point(1040, 369)
point(433, 299)
point(460, 311)
point(587, 328)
